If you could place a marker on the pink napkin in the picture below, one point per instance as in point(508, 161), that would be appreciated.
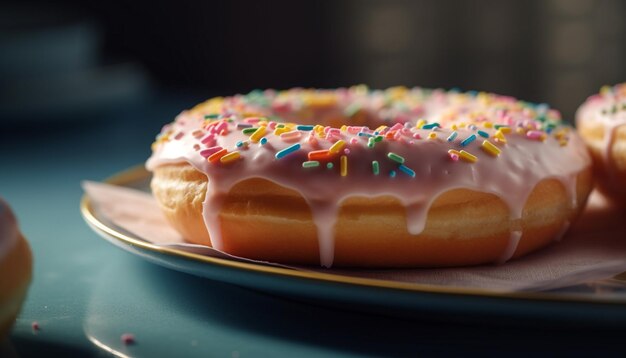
point(593, 249)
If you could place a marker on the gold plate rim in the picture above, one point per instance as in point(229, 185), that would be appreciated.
point(138, 172)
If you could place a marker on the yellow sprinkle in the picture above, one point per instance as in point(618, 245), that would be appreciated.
point(338, 146)
point(258, 134)
point(432, 135)
point(563, 142)
point(318, 128)
point(462, 125)
point(488, 125)
point(344, 128)
point(344, 165)
point(505, 130)
point(520, 130)
point(468, 156)
point(230, 157)
point(490, 148)
point(605, 90)
point(279, 131)
point(454, 127)
point(381, 128)
point(499, 136)
point(420, 123)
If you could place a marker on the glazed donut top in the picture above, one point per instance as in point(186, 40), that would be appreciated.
point(411, 144)
point(8, 229)
point(607, 107)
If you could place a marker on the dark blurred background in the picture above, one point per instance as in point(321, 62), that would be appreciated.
point(73, 57)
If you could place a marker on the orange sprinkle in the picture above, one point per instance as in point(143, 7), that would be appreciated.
point(323, 154)
point(215, 157)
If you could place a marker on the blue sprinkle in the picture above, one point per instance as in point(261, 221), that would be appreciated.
point(452, 136)
point(430, 125)
point(468, 140)
point(263, 141)
point(287, 151)
point(304, 128)
point(392, 173)
point(239, 144)
point(364, 134)
point(483, 134)
point(472, 127)
point(407, 170)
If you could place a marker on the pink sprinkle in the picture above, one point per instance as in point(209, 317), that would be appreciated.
point(534, 134)
point(179, 135)
point(221, 126)
point(346, 151)
point(454, 157)
point(396, 127)
point(334, 131)
point(272, 125)
point(353, 140)
point(197, 133)
point(196, 147)
point(354, 129)
point(224, 131)
point(207, 152)
point(417, 136)
point(411, 142)
point(253, 120)
point(292, 136)
point(35, 326)
point(127, 338)
point(207, 139)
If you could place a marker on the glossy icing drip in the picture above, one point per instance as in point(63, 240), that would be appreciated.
point(8, 229)
point(424, 142)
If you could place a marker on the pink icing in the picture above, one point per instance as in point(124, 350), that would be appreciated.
point(512, 175)
point(607, 108)
point(8, 229)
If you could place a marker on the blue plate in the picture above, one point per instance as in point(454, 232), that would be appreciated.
point(601, 303)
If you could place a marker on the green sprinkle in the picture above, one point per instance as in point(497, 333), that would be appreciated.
point(392, 173)
point(430, 125)
point(378, 139)
point(329, 165)
point(280, 125)
point(375, 167)
point(304, 128)
point(352, 109)
point(310, 164)
point(249, 130)
point(371, 142)
point(395, 157)
point(212, 116)
point(498, 126)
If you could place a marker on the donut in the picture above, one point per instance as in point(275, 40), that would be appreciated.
point(15, 268)
point(601, 122)
point(354, 177)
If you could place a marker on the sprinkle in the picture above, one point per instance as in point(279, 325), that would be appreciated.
point(488, 125)
point(468, 140)
point(353, 141)
point(323, 154)
point(378, 138)
point(364, 134)
point(230, 157)
point(431, 125)
point(375, 167)
point(420, 123)
point(305, 128)
point(503, 128)
point(207, 152)
point(537, 135)
point(468, 156)
point(287, 151)
point(352, 109)
point(371, 142)
point(208, 138)
point(452, 136)
point(344, 165)
point(329, 165)
point(197, 133)
point(490, 148)
point(395, 157)
point(213, 158)
point(432, 135)
point(290, 136)
point(454, 154)
point(263, 141)
point(239, 144)
point(392, 174)
point(249, 130)
point(211, 116)
point(483, 134)
point(127, 338)
point(500, 136)
point(410, 172)
point(337, 147)
point(243, 125)
point(310, 164)
point(258, 134)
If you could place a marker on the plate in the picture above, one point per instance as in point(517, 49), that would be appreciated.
point(599, 303)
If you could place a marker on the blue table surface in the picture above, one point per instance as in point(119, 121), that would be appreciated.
point(86, 293)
